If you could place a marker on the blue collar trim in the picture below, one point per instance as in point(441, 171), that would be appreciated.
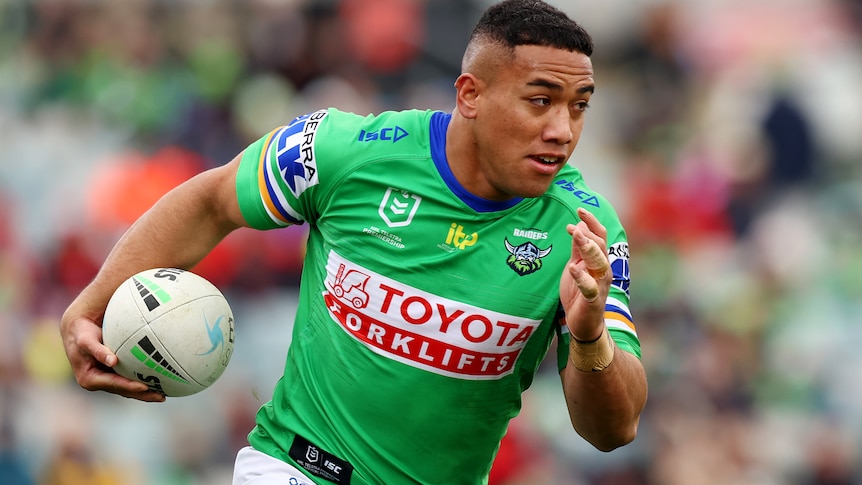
point(439, 125)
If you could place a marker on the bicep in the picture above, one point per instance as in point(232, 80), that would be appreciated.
point(229, 200)
point(217, 186)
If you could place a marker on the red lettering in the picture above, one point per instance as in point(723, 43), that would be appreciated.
point(446, 320)
point(426, 310)
point(387, 300)
point(523, 336)
point(449, 353)
point(487, 326)
point(506, 327)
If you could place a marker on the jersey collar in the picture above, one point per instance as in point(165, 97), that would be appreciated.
point(439, 125)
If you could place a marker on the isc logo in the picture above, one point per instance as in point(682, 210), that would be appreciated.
point(389, 134)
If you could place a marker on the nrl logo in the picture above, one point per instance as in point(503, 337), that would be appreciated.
point(398, 207)
point(525, 258)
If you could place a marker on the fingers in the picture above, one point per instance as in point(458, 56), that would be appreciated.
point(594, 257)
point(98, 378)
point(104, 355)
point(587, 285)
point(88, 343)
point(590, 263)
point(92, 362)
point(593, 223)
point(117, 384)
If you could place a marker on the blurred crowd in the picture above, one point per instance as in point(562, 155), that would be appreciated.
point(728, 134)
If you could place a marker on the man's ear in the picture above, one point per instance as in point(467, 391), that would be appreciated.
point(467, 88)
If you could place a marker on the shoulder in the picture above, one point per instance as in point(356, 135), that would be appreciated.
point(347, 136)
point(355, 129)
point(570, 189)
point(387, 126)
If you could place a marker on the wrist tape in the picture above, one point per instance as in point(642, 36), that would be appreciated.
point(592, 356)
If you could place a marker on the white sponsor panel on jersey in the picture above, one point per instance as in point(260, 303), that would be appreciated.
point(421, 329)
point(294, 151)
point(618, 256)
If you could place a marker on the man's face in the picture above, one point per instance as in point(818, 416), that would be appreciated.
point(528, 120)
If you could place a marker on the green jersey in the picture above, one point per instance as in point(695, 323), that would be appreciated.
point(424, 310)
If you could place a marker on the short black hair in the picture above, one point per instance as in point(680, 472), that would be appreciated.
point(532, 22)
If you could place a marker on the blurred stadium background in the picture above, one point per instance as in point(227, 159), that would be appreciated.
point(727, 132)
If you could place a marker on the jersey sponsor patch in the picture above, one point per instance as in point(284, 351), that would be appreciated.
point(420, 329)
point(293, 151)
point(618, 255)
point(525, 258)
point(458, 239)
point(585, 197)
point(391, 134)
point(319, 462)
point(398, 207)
point(534, 234)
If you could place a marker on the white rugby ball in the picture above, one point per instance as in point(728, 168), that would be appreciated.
point(170, 329)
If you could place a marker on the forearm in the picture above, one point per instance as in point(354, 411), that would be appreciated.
point(605, 406)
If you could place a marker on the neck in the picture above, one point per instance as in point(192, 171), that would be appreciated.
point(461, 151)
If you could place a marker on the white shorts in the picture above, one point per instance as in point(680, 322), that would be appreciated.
point(255, 468)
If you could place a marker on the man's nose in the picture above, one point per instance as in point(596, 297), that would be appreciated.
point(559, 127)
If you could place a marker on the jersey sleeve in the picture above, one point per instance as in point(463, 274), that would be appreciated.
point(618, 316)
point(276, 170)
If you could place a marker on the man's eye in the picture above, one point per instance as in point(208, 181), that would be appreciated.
point(581, 106)
point(541, 101)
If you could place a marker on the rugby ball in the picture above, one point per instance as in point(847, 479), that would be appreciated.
point(170, 329)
